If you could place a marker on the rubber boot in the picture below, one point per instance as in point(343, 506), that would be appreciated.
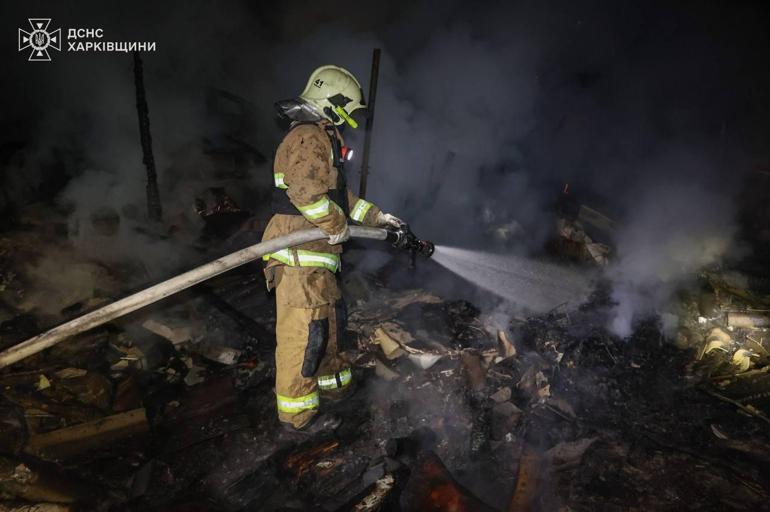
point(324, 422)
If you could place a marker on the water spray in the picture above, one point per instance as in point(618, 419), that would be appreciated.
point(536, 285)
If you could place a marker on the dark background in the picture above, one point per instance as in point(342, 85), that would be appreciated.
point(657, 113)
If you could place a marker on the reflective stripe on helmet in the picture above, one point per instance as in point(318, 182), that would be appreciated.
point(279, 176)
point(317, 210)
point(327, 382)
point(344, 115)
point(360, 209)
point(298, 404)
point(325, 260)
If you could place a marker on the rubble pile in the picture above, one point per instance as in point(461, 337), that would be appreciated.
point(727, 323)
point(582, 233)
point(174, 409)
point(569, 414)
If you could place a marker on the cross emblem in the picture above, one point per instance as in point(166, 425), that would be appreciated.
point(39, 40)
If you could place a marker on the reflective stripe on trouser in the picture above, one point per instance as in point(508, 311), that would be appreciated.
point(360, 209)
point(316, 289)
point(293, 405)
point(290, 257)
point(336, 380)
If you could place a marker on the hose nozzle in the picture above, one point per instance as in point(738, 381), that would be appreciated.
point(403, 238)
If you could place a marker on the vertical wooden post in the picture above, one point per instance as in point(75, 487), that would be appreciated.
point(369, 121)
point(154, 209)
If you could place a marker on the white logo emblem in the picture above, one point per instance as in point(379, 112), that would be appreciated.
point(39, 40)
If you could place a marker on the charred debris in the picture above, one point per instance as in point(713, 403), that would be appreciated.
point(173, 408)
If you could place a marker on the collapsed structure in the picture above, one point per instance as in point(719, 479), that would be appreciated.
point(172, 408)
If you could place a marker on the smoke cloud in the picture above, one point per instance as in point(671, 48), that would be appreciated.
point(483, 114)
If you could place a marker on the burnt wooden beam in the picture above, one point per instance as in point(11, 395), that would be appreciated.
point(369, 121)
point(154, 209)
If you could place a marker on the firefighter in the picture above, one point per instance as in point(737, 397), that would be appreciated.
point(311, 192)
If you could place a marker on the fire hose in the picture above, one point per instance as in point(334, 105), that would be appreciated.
point(401, 238)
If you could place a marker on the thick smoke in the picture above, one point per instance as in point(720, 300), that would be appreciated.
point(483, 114)
point(678, 227)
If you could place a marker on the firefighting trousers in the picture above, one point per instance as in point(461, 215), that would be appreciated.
point(310, 316)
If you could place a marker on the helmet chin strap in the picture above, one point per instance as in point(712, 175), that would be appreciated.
point(331, 115)
point(338, 114)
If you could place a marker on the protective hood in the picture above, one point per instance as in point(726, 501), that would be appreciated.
point(297, 110)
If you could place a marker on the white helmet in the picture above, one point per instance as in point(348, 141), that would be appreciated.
point(335, 93)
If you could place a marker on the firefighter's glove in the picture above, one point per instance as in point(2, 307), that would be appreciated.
point(386, 219)
point(340, 237)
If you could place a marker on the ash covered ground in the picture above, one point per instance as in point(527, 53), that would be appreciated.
point(456, 408)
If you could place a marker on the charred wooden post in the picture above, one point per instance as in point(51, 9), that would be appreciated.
point(36, 482)
point(304, 458)
point(748, 319)
point(369, 121)
point(70, 441)
point(154, 209)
